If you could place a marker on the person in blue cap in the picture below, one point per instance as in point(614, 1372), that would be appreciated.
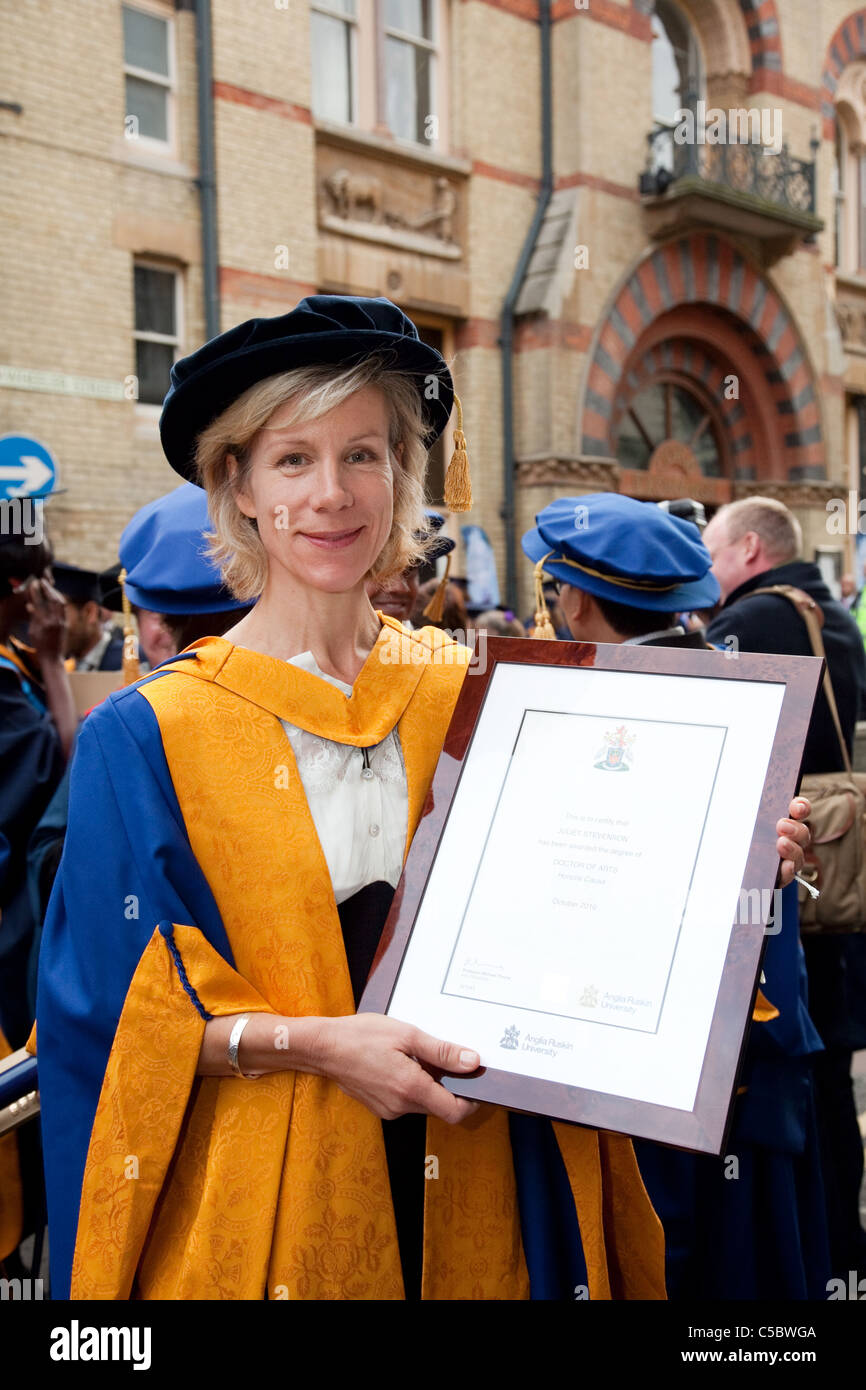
point(625, 569)
point(168, 574)
point(253, 801)
point(751, 1224)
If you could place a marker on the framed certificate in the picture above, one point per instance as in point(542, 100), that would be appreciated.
point(587, 895)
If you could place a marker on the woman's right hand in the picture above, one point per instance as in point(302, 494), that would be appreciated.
point(387, 1066)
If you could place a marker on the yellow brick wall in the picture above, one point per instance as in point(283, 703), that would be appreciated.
point(496, 64)
point(263, 48)
point(266, 192)
point(74, 192)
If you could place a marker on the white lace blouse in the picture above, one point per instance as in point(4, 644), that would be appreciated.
point(358, 799)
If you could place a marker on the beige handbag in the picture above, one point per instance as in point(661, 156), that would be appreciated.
point(835, 861)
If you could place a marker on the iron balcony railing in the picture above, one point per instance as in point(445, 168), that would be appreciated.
point(777, 179)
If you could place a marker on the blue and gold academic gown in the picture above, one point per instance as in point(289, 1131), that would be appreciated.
point(213, 898)
point(752, 1224)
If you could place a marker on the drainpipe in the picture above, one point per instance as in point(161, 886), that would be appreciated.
point(207, 169)
point(506, 321)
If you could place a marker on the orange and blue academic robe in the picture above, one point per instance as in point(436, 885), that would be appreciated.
point(193, 885)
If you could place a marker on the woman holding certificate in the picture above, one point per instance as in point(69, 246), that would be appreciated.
point(219, 1123)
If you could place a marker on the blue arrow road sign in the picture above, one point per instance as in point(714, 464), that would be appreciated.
point(26, 467)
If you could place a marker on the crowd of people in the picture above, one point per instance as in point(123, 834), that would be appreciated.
point(194, 875)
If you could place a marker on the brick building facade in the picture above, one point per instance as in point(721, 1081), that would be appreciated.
point(690, 317)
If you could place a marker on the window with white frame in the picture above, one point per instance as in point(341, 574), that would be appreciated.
point(157, 329)
point(335, 56)
point(379, 64)
point(849, 170)
point(410, 56)
point(677, 68)
point(148, 65)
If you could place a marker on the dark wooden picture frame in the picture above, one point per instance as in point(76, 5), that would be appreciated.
point(704, 1128)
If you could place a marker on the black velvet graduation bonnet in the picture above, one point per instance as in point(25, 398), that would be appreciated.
point(323, 329)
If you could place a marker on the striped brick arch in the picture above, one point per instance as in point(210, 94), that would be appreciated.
point(765, 40)
point(848, 45)
point(695, 310)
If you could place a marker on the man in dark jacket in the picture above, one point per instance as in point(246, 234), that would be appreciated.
point(755, 543)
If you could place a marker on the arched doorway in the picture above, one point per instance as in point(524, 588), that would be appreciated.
point(698, 373)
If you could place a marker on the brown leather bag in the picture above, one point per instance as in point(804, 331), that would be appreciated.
point(836, 858)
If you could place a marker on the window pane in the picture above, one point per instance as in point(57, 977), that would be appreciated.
point(154, 301)
point(631, 449)
point(332, 68)
point(688, 415)
point(145, 41)
point(149, 104)
point(152, 365)
point(412, 16)
point(676, 64)
point(408, 88)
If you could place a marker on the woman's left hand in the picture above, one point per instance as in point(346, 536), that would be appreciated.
point(794, 838)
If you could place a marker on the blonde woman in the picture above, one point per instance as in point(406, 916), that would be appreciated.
point(219, 1123)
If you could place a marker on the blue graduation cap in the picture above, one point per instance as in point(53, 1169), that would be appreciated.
point(625, 551)
point(164, 554)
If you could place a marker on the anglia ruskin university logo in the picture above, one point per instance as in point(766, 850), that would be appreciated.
point(510, 1038)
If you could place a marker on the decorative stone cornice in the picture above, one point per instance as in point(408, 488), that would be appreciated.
point(589, 472)
point(815, 492)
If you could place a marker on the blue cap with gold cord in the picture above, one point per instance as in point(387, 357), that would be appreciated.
point(622, 550)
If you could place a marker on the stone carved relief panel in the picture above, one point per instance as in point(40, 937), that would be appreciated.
point(373, 198)
point(851, 318)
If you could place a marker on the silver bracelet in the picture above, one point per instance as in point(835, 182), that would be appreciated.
point(234, 1043)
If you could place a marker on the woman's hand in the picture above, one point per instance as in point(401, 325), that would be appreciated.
point(47, 611)
point(390, 1067)
point(794, 838)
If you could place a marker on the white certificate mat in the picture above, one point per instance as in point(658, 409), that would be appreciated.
point(577, 915)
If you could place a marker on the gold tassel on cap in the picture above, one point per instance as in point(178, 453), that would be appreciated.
point(458, 484)
point(131, 668)
point(436, 607)
point(543, 628)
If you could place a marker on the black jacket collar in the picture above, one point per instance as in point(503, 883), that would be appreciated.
point(802, 574)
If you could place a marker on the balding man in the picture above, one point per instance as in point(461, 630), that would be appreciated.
point(756, 543)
